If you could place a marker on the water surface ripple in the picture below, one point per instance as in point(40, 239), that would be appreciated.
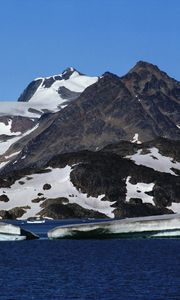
point(90, 269)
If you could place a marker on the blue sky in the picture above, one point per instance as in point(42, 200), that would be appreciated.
point(43, 37)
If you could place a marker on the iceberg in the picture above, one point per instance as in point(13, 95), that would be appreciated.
point(144, 227)
point(9, 232)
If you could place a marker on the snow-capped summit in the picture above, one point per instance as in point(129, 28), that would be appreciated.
point(56, 91)
point(48, 94)
point(64, 75)
point(70, 71)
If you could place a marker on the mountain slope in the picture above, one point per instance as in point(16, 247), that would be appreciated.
point(110, 110)
point(107, 183)
point(41, 96)
point(12, 129)
point(155, 90)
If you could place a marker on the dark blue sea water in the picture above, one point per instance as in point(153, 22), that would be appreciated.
point(90, 269)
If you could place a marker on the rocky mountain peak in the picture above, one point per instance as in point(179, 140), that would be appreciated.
point(109, 76)
point(144, 65)
point(146, 70)
point(69, 70)
point(145, 78)
point(149, 70)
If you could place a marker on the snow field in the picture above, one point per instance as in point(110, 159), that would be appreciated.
point(155, 160)
point(61, 186)
point(132, 191)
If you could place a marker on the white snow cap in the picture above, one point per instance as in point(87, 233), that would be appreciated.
point(49, 98)
point(69, 69)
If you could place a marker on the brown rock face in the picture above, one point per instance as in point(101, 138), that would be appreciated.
point(13, 213)
point(130, 210)
point(19, 123)
point(59, 209)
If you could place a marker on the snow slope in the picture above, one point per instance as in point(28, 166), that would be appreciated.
point(7, 129)
point(21, 195)
point(155, 160)
point(23, 191)
point(20, 109)
point(5, 145)
point(138, 191)
point(48, 98)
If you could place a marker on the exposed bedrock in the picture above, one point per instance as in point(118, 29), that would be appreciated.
point(59, 208)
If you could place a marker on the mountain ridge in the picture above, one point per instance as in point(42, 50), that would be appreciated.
point(106, 112)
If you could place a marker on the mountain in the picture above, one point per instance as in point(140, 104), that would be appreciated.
point(43, 95)
point(155, 90)
point(55, 92)
point(104, 147)
point(110, 110)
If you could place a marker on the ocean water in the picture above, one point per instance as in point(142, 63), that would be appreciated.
point(89, 269)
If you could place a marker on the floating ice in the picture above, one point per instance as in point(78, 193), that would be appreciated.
point(143, 226)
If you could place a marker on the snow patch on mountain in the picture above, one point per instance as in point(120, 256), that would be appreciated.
point(155, 160)
point(175, 207)
point(136, 139)
point(13, 154)
point(139, 190)
point(7, 129)
point(2, 164)
point(7, 159)
point(4, 146)
point(22, 194)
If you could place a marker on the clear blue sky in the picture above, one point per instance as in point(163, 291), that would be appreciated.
point(43, 37)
